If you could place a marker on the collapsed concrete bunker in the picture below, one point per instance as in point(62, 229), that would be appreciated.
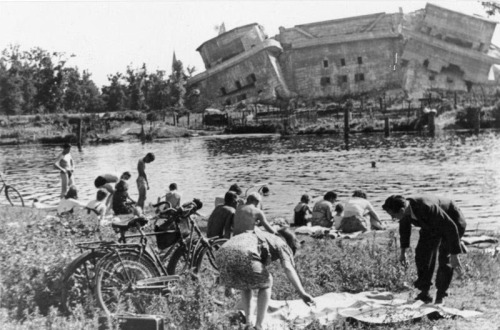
point(431, 49)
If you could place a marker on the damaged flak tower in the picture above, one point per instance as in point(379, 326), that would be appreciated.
point(430, 49)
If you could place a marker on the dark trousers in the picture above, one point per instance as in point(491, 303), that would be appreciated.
point(432, 246)
point(429, 248)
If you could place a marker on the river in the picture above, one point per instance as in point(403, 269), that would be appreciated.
point(462, 166)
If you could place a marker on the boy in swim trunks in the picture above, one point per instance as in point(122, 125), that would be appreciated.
point(65, 164)
point(142, 180)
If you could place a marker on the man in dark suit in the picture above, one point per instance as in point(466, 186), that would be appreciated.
point(442, 225)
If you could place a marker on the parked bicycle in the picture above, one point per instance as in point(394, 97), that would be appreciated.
point(131, 274)
point(11, 193)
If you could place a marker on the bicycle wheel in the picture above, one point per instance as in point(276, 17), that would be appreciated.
point(13, 196)
point(206, 269)
point(179, 262)
point(116, 280)
point(78, 282)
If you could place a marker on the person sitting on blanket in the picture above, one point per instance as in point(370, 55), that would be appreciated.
point(242, 264)
point(98, 206)
point(358, 211)
point(339, 214)
point(250, 215)
point(322, 213)
point(302, 212)
point(122, 203)
point(70, 202)
point(221, 220)
point(442, 225)
point(173, 197)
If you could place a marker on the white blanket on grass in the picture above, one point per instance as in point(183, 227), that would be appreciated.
point(319, 230)
point(369, 307)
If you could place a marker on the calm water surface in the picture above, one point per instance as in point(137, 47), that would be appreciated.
point(462, 166)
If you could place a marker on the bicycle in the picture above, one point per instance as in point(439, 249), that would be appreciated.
point(11, 193)
point(79, 276)
point(117, 270)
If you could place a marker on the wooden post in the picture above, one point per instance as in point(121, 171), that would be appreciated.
point(143, 134)
point(79, 143)
point(477, 121)
point(455, 100)
point(346, 127)
point(432, 124)
point(188, 120)
point(387, 127)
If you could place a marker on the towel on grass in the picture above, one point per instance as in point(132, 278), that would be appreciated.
point(319, 231)
point(368, 307)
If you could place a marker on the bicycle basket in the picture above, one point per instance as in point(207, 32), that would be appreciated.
point(166, 239)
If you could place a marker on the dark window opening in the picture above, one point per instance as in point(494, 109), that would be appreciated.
point(480, 47)
point(342, 79)
point(404, 63)
point(325, 63)
point(359, 77)
point(360, 60)
point(251, 79)
point(342, 61)
point(228, 102)
point(432, 78)
point(458, 42)
point(325, 81)
point(469, 86)
point(223, 91)
point(426, 64)
point(449, 80)
point(238, 84)
point(241, 97)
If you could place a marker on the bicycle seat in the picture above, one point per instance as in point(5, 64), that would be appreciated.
point(141, 221)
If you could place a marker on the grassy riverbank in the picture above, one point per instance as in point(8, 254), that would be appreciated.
point(34, 249)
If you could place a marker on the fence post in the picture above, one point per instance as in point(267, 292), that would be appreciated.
point(387, 127)
point(346, 127)
point(477, 120)
point(432, 124)
point(79, 134)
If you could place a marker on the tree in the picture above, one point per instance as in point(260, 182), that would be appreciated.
point(135, 89)
point(491, 7)
point(114, 95)
point(177, 83)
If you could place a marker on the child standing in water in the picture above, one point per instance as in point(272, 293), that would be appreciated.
point(65, 164)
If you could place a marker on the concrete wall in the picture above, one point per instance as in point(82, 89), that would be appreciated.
point(268, 80)
point(437, 58)
point(306, 74)
point(449, 25)
point(339, 27)
point(230, 44)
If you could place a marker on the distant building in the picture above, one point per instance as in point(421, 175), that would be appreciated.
point(241, 64)
point(433, 48)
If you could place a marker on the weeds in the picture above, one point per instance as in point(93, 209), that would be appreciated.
point(35, 249)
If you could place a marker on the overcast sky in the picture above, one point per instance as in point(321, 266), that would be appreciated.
point(106, 36)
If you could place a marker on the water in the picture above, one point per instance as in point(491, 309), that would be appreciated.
point(461, 166)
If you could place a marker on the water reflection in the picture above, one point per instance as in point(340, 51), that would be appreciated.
point(461, 166)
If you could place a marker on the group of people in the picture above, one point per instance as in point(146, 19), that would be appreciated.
point(357, 214)
point(242, 260)
point(112, 191)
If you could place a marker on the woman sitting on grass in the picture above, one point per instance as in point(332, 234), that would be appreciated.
point(302, 212)
point(358, 212)
point(242, 263)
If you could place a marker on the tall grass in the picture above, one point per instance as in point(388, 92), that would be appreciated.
point(34, 251)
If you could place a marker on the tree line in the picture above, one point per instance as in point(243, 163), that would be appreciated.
point(37, 81)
